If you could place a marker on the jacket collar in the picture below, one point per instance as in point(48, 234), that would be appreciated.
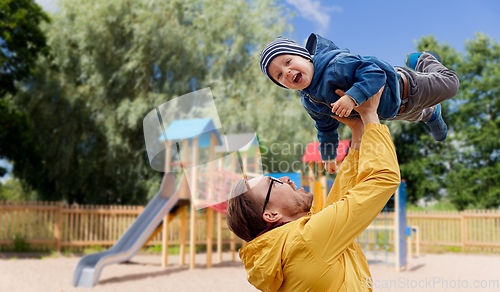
point(274, 225)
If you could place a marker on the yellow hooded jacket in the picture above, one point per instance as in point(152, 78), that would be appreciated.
point(318, 252)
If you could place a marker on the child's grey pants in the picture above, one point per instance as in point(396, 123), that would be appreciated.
point(430, 84)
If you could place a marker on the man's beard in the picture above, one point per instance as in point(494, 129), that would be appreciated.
point(304, 203)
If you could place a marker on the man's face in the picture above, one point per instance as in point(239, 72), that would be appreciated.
point(284, 198)
point(292, 71)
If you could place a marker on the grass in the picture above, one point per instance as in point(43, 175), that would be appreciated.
point(441, 249)
point(172, 250)
point(453, 248)
point(94, 249)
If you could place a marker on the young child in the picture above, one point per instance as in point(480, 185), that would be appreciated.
point(332, 82)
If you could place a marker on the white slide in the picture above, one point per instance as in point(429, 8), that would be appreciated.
point(89, 268)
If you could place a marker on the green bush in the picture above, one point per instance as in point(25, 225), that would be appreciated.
point(20, 244)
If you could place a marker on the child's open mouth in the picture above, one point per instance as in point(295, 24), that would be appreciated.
point(297, 78)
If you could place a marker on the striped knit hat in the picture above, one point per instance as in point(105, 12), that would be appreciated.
point(280, 46)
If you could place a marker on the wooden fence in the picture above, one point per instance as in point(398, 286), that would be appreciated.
point(55, 225)
point(470, 230)
point(49, 226)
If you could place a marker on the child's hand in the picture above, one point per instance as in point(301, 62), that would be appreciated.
point(343, 106)
point(331, 166)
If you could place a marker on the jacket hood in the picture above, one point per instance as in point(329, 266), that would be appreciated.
point(262, 258)
point(323, 51)
point(324, 45)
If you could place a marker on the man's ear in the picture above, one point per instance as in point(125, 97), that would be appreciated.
point(271, 217)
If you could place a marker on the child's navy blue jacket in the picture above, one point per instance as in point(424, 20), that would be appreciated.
point(360, 77)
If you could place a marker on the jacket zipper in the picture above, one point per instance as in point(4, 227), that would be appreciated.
point(317, 101)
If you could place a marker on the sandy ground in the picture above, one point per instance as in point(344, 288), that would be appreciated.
point(431, 272)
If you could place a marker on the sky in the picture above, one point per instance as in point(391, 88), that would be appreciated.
point(383, 28)
point(5, 164)
point(389, 29)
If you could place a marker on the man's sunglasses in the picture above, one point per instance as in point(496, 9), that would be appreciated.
point(273, 180)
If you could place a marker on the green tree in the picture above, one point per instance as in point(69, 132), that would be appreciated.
point(473, 177)
point(13, 190)
point(114, 61)
point(466, 164)
point(17, 143)
point(419, 160)
point(21, 42)
point(423, 161)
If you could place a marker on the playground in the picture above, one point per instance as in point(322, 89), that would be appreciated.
point(206, 163)
point(144, 273)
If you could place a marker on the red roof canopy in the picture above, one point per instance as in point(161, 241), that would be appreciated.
point(312, 152)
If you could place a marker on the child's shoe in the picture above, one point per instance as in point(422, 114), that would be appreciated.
point(437, 125)
point(412, 59)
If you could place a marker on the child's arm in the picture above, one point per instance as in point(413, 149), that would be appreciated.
point(365, 77)
point(343, 106)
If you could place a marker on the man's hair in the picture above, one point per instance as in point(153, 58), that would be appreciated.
point(244, 212)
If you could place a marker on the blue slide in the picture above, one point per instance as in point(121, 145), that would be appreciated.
point(89, 268)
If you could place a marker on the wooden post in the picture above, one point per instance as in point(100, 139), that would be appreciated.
point(194, 191)
point(220, 197)
point(210, 199)
point(257, 159)
point(184, 194)
point(245, 163)
point(410, 244)
point(219, 237)
point(164, 248)
point(233, 236)
point(233, 162)
point(396, 231)
point(464, 229)
point(211, 158)
point(185, 160)
point(320, 188)
point(22, 213)
point(417, 243)
point(324, 182)
point(312, 184)
point(168, 157)
point(58, 231)
point(164, 261)
point(192, 237)
point(233, 246)
point(182, 236)
point(210, 223)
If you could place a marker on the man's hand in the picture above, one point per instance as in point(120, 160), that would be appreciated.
point(354, 124)
point(331, 166)
point(357, 128)
point(368, 109)
point(343, 106)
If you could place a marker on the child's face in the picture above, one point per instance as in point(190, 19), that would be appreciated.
point(292, 71)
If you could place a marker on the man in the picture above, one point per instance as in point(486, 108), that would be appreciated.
point(291, 249)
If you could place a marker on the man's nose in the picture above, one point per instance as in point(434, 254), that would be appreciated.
point(285, 179)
